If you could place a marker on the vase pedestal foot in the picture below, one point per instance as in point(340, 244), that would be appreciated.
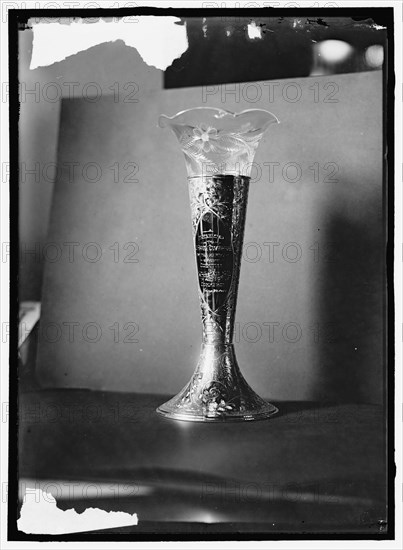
point(217, 392)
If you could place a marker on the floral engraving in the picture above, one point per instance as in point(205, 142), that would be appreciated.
point(214, 399)
point(203, 135)
point(207, 144)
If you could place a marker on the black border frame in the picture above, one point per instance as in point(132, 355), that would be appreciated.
point(18, 19)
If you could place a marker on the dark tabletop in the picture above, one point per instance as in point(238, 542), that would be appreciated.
point(312, 468)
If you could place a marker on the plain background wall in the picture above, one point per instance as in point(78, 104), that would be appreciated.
point(333, 293)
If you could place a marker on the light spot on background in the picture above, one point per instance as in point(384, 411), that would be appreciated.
point(254, 31)
point(374, 56)
point(334, 51)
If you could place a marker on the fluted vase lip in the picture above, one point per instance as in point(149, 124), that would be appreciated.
point(219, 114)
point(215, 140)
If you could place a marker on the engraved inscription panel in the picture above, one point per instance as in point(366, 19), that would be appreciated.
point(215, 259)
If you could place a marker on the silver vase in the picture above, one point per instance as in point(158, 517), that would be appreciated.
point(219, 149)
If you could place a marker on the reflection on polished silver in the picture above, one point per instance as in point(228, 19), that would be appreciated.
point(219, 148)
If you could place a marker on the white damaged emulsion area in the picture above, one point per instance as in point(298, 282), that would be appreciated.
point(159, 40)
point(38, 506)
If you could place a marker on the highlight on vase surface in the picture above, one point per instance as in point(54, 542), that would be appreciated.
point(219, 148)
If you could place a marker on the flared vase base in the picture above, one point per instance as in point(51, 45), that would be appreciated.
point(217, 392)
point(175, 412)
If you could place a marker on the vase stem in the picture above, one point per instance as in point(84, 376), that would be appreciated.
point(218, 207)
